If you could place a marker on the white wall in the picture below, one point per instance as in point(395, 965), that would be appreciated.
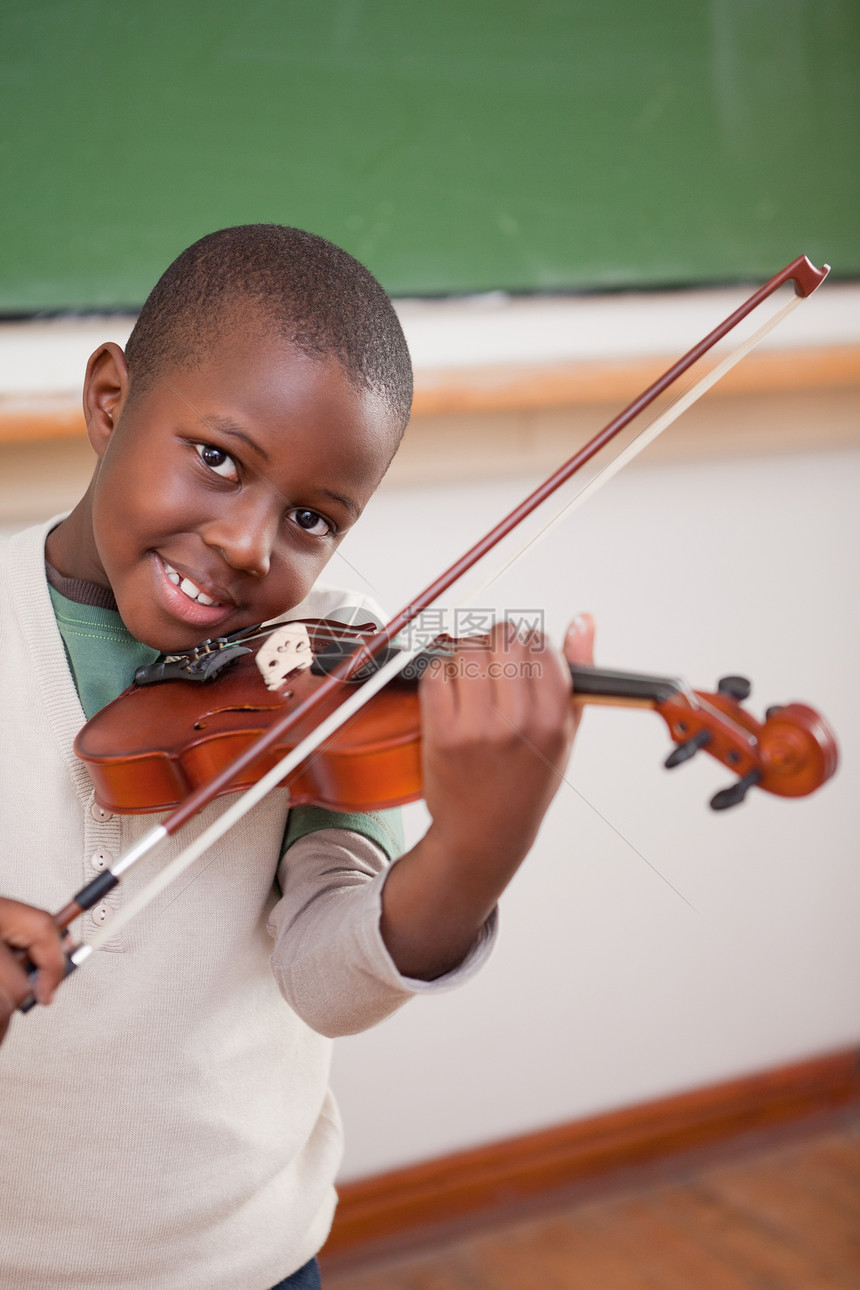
point(649, 944)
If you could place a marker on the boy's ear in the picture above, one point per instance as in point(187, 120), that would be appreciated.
point(105, 392)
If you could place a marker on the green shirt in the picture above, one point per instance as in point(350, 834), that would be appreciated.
point(103, 656)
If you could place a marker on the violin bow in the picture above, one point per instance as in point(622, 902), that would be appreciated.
point(806, 278)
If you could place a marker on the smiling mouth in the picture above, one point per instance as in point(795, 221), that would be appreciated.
point(189, 588)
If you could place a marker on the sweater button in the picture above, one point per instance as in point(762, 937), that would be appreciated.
point(101, 860)
point(100, 914)
point(99, 813)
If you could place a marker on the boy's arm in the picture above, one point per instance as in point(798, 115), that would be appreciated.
point(32, 930)
point(355, 939)
point(497, 729)
point(329, 958)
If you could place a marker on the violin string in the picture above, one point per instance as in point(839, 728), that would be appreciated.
point(323, 631)
point(316, 633)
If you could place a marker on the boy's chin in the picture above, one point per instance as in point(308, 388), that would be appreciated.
point(166, 638)
point(178, 638)
point(169, 633)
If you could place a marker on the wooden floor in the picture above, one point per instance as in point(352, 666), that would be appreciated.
point(777, 1214)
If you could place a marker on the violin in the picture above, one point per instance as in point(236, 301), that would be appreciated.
point(168, 734)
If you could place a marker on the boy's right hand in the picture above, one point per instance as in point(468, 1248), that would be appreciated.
point(497, 728)
point(23, 928)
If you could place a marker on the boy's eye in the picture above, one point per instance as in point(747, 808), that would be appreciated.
point(217, 460)
point(311, 521)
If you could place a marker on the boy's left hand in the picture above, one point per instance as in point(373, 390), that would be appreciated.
point(497, 728)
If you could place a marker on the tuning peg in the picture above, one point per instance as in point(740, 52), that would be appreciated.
point(736, 793)
point(736, 687)
point(688, 749)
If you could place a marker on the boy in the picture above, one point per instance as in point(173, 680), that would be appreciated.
point(168, 1124)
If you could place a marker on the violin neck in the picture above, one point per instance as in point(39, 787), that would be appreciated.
point(591, 684)
point(630, 689)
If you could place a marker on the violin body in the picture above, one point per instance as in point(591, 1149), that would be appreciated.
point(176, 735)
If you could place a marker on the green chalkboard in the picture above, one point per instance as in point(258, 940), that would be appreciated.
point(453, 145)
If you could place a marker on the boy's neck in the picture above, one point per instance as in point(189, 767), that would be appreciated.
point(79, 590)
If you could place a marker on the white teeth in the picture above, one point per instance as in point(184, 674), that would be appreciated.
point(187, 586)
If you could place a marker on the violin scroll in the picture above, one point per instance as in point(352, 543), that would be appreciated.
point(798, 749)
point(791, 753)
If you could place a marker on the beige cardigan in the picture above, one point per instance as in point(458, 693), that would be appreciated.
point(167, 1123)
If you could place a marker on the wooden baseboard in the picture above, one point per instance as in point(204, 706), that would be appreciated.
point(401, 1206)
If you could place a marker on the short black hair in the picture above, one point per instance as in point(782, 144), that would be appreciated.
point(309, 291)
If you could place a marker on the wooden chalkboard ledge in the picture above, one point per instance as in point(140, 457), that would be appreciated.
point(27, 418)
point(558, 385)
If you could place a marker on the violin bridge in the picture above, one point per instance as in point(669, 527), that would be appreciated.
point(285, 651)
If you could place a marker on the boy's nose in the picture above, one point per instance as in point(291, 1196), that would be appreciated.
point(245, 537)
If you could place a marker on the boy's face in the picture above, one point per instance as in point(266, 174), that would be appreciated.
point(222, 492)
